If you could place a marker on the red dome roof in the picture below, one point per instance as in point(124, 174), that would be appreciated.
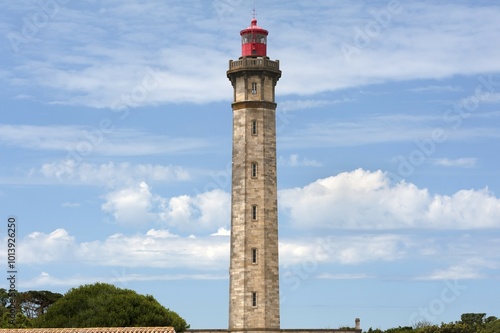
point(254, 28)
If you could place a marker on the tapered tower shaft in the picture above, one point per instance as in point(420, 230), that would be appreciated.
point(254, 268)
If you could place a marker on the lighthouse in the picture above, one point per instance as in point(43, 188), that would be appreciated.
point(254, 263)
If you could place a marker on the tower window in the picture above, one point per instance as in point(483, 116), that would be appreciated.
point(254, 256)
point(254, 212)
point(254, 127)
point(254, 170)
point(254, 298)
point(254, 88)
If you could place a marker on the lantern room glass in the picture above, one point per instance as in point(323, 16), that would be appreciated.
point(254, 38)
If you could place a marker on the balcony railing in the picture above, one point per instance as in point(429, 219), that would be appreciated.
point(257, 63)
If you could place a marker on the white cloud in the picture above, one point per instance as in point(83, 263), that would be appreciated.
point(132, 206)
point(460, 162)
point(38, 247)
point(204, 211)
point(222, 232)
point(397, 50)
point(376, 128)
point(454, 272)
point(80, 141)
point(468, 268)
point(367, 200)
point(207, 257)
point(160, 234)
point(39, 137)
point(113, 43)
point(294, 160)
point(343, 250)
point(115, 59)
point(156, 250)
point(45, 279)
point(437, 89)
point(111, 174)
point(138, 205)
point(159, 248)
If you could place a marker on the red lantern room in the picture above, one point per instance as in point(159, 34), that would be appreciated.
point(254, 41)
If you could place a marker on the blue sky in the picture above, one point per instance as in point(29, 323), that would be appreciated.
point(115, 138)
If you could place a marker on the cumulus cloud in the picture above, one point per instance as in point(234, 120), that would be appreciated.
point(204, 211)
point(158, 248)
point(161, 248)
point(138, 205)
point(207, 257)
point(160, 234)
point(222, 232)
point(132, 206)
point(368, 200)
point(39, 247)
point(344, 250)
point(351, 200)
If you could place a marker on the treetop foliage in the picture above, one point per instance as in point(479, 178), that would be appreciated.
point(95, 305)
point(469, 323)
point(104, 305)
point(28, 305)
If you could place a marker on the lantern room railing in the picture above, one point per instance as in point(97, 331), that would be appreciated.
point(257, 63)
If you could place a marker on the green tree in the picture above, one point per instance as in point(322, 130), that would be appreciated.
point(104, 305)
point(35, 303)
point(11, 315)
point(4, 297)
point(4, 300)
point(24, 306)
point(492, 325)
point(428, 329)
point(457, 327)
point(21, 321)
point(377, 330)
point(474, 321)
point(400, 329)
point(421, 324)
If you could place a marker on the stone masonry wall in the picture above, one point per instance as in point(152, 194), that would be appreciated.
point(254, 213)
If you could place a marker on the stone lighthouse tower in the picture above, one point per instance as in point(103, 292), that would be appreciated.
point(254, 274)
